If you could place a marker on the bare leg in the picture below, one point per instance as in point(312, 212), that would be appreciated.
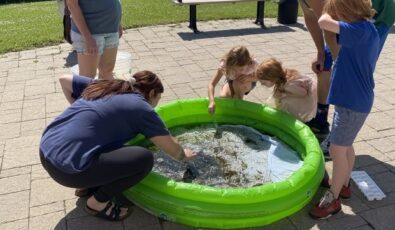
point(341, 166)
point(225, 91)
point(241, 88)
point(107, 63)
point(351, 161)
point(323, 83)
point(88, 64)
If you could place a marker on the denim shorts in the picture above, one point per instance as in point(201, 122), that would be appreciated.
point(346, 125)
point(103, 41)
point(328, 59)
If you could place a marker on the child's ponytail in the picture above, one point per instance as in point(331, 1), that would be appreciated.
point(272, 70)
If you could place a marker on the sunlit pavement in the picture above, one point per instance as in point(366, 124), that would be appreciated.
point(31, 97)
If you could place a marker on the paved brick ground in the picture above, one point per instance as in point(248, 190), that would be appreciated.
point(31, 97)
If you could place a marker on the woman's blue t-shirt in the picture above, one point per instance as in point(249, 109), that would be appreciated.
point(87, 129)
point(352, 80)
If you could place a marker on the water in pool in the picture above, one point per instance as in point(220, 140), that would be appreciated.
point(227, 156)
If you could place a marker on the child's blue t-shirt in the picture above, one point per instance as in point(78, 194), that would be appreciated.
point(352, 80)
point(87, 129)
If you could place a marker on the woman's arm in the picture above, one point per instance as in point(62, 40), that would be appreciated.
point(172, 147)
point(74, 85)
point(317, 6)
point(330, 38)
point(211, 90)
point(316, 34)
point(326, 22)
point(79, 20)
point(66, 82)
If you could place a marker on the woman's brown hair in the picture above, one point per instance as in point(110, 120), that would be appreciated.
point(349, 10)
point(142, 82)
point(238, 56)
point(273, 71)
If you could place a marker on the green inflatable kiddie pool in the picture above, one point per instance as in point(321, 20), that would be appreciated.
point(209, 207)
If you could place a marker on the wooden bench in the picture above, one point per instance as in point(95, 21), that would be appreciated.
point(260, 11)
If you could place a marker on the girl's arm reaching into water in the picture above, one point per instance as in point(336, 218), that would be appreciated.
point(211, 90)
point(170, 145)
point(326, 22)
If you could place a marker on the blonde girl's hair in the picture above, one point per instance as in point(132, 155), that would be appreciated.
point(236, 57)
point(273, 71)
point(349, 10)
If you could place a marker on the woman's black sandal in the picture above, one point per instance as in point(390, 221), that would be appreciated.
point(114, 214)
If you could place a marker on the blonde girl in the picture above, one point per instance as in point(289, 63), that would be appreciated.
point(292, 92)
point(351, 91)
point(238, 67)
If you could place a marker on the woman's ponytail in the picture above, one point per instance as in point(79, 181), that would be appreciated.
point(141, 82)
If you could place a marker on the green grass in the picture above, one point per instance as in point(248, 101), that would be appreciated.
point(37, 24)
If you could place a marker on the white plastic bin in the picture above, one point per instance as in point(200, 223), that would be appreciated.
point(122, 69)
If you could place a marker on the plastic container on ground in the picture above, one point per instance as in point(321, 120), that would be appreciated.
point(367, 186)
point(122, 69)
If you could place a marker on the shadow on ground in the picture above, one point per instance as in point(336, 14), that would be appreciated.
point(379, 218)
point(71, 59)
point(357, 213)
point(188, 36)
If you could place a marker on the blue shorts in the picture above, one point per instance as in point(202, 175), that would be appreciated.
point(346, 125)
point(103, 41)
point(328, 59)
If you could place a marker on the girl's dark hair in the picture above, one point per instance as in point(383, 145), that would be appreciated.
point(145, 81)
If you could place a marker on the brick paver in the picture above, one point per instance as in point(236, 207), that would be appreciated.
point(30, 98)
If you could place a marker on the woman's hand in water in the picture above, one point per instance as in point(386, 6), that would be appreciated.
point(211, 108)
point(189, 154)
point(186, 154)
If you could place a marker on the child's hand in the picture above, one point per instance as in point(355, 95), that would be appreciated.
point(211, 108)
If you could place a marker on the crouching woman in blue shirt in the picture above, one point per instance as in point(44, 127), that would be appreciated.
point(84, 146)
